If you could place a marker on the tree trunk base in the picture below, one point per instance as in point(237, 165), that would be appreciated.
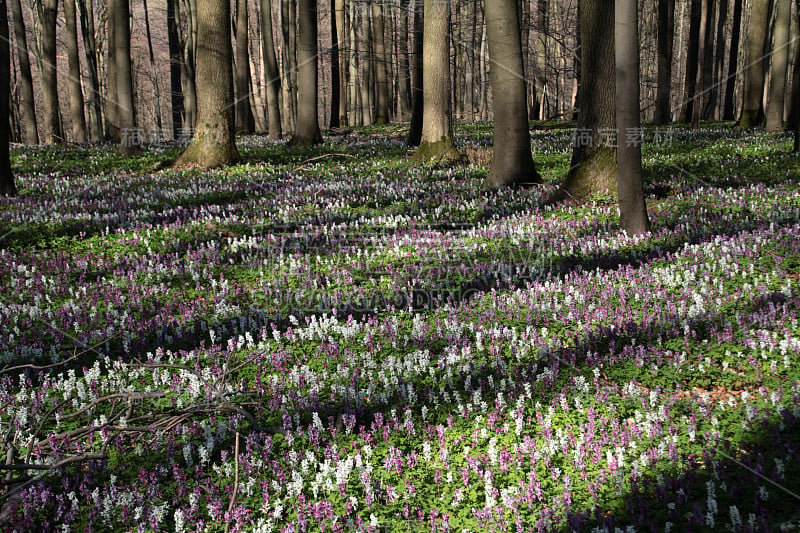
point(304, 140)
point(751, 118)
point(206, 153)
point(596, 174)
point(442, 150)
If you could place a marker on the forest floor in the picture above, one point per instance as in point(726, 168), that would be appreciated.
point(331, 339)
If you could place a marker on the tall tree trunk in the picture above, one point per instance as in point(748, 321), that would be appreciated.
point(705, 79)
point(153, 72)
point(214, 140)
point(336, 93)
point(713, 102)
point(188, 69)
point(343, 51)
point(122, 54)
point(594, 160)
point(244, 113)
point(7, 185)
point(76, 104)
point(404, 67)
point(780, 62)
point(271, 73)
point(26, 80)
point(48, 74)
point(417, 82)
point(112, 105)
point(356, 114)
point(366, 61)
point(753, 107)
point(437, 129)
point(307, 131)
point(542, 26)
point(381, 76)
point(86, 11)
point(794, 108)
point(632, 209)
point(175, 60)
point(728, 107)
point(290, 65)
point(692, 63)
point(666, 36)
point(702, 58)
point(512, 163)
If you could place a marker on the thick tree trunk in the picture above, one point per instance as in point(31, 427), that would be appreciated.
point(26, 80)
point(512, 163)
point(594, 160)
point(244, 113)
point(48, 10)
point(417, 83)
point(175, 60)
point(307, 131)
point(366, 58)
point(728, 107)
point(705, 77)
point(780, 62)
point(437, 131)
point(129, 141)
point(381, 76)
point(86, 11)
point(7, 185)
point(112, 105)
point(753, 107)
point(214, 140)
point(273, 77)
point(692, 63)
point(632, 209)
point(666, 36)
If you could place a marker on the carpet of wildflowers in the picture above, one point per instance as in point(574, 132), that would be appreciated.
point(337, 341)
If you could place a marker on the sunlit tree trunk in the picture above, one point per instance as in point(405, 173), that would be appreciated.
point(714, 95)
point(753, 107)
point(175, 60)
point(780, 62)
point(271, 73)
point(7, 185)
point(632, 209)
point(540, 107)
point(95, 125)
point(214, 140)
point(307, 129)
point(437, 130)
point(48, 74)
point(129, 144)
point(76, 104)
point(728, 106)
point(188, 67)
point(381, 75)
point(702, 58)
point(512, 163)
point(404, 85)
point(26, 80)
point(417, 83)
point(336, 92)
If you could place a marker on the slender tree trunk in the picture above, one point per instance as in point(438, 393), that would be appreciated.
point(366, 60)
point(48, 10)
point(76, 104)
point(780, 62)
point(175, 60)
point(728, 107)
point(692, 63)
point(307, 132)
point(794, 108)
point(356, 110)
point(707, 98)
point(343, 50)
point(288, 33)
point(594, 159)
point(244, 113)
point(753, 107)
point(714, 103)
point(7, 185)
point(214, 140)
point(632, 209)
point(26, 80)
point(112, 104)
point(271, 71)
point(122, 54)
point(512, 163)
point(404, 86)
point(543, 23)
point(381, 77)
point(666, 36)
point(702, 53)
point(437, 129)
point(188, 69)
point(417, 93)
point(336, 94)
point(153, 72)
point(93, 96)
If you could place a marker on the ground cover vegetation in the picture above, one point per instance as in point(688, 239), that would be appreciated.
point(333, 339)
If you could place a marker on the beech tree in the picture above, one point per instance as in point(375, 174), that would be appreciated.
point(26, 80)
point(214, 140)
point(594, 158)
point(122, 54)
point(273, 78)
point(76, 103)
point(780, 61)
point(437, 129)
point(632, 209)
point(417, 82)
point(7, 186)
point(753, 107)
point(307, 127)
point(47, 11)
point(666, 35)
point(512, 163)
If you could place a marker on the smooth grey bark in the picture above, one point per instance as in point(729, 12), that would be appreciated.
point(714, 102)
point(189, 66)
point(175, 60)
point(752, 106)
point(26, 79)
point(289, 51)
point(76, 103)
point(540, 79)
point(437, 129)
point(780, 62)
point(703, 62)
point(307, 127)
point(512, 163)
point(343, 55)
point(632, 209)
point(381, 75)
point(336, 88)
point(417, 83)
point(728, 106)
point(273, 78)
point(244, 113)
point(404, 66)
point(666, 37)
point(7, 185)
point(153, 70)
point(48, 74)
point(129, 141)
point(692, 63)
point(93, 96)
point(593, 168)
point(214, 140)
